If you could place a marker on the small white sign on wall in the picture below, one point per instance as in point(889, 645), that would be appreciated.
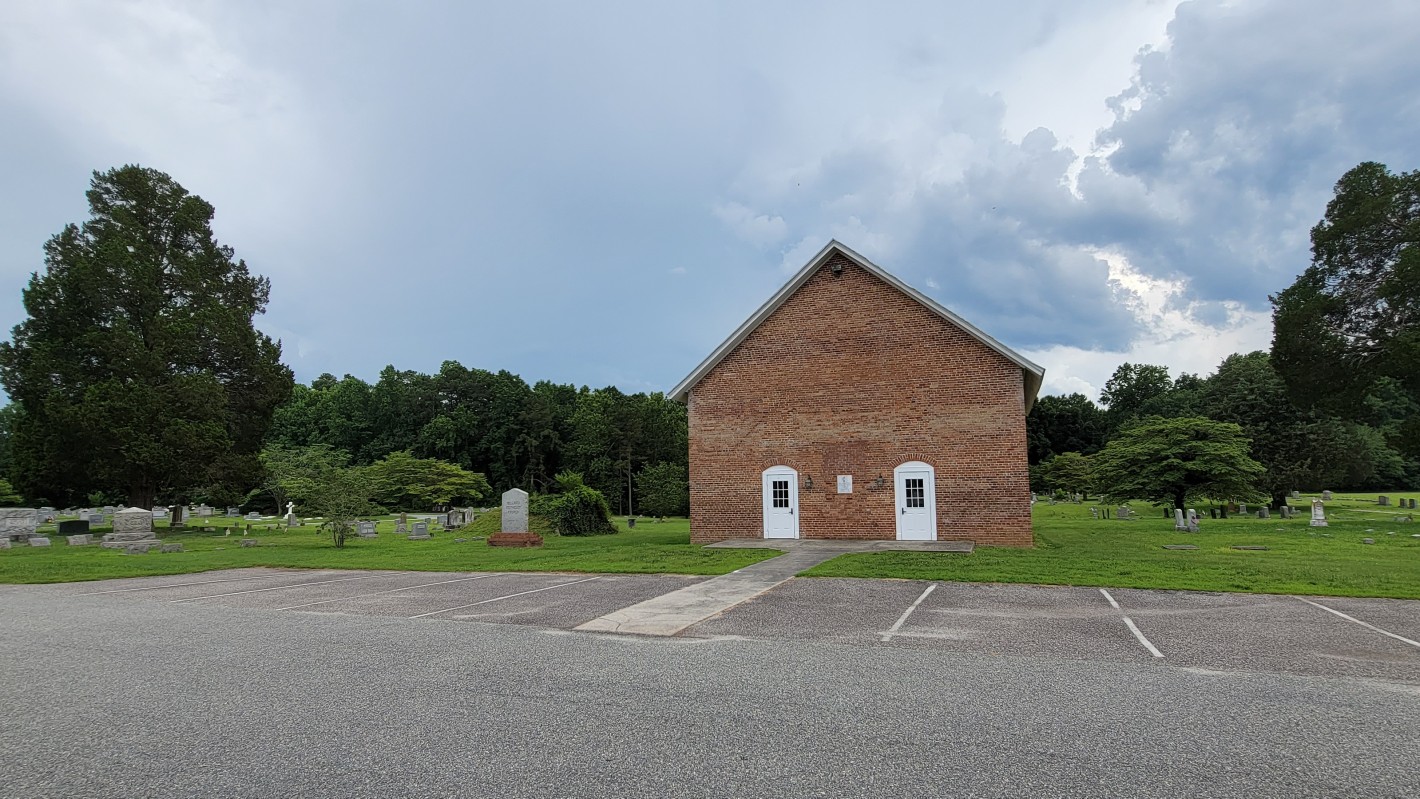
point(845, 483)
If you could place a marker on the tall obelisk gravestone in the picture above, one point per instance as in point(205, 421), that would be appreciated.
point(515, 531)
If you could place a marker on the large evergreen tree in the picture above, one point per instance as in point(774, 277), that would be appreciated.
point(1354, 316)
point(138, 369)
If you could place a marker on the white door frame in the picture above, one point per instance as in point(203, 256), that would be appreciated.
point(915, 468)
point(766, 485)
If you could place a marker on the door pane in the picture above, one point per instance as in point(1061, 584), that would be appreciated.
point(781, 493)
point(916, 494)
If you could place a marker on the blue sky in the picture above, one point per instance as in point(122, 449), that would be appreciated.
point(599, 193)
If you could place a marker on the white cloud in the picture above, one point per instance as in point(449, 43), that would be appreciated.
point(1172, 335)
point(761, 230)
point(156, 83)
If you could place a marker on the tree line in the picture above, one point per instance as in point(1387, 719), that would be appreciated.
point(1335, 404)
point(138, 376)
point(627, 446)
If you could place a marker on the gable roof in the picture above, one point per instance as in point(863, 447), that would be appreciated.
point(1032, 372)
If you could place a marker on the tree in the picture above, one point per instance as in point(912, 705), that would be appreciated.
point(292, 473)
point(1175, 460)
point(401, 480)
point(1299, 448)
point(138, 368)
point(1353, 316)
point(1070, 472)
point(664, 490)
point(1131, 387)
point(341, 496)
point(8, 496)
point(1069, 423)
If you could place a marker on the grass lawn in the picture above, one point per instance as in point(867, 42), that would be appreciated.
point(650, 548)
point(1071, 548)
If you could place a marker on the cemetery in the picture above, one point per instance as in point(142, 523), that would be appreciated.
point(1143, 549)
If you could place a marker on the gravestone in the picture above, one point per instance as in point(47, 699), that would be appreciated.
point(1326, 496)
point(253, 516)
point(72, 527)
point(204, 511)
point(172, 548)
point(514, 532)
point(515, 511)
point(176, 515)
point(4, 542)
point(1383, 501)
point(1192, 520)
point(97, 520)
point(631, 522)
point(1212, 513)
point(39, 541)
point(1296, 493)
point(132, 527)
point(249, 542)
point(365, 529)
point(1286, 511)
point(1242, 508)
point(400, 527)
point(291, 515)
point(160, 513)
point(81, 540)
point(1412, 504)
point(110, 510)
point(233, 513)
point(1178, 520)
point(18, 524)
point(1094, 513)
point(419, 531)
point(1318, 514)
point(1122, 512)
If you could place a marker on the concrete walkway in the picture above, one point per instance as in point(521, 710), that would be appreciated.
point(668, 614)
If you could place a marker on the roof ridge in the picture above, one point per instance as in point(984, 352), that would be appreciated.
point(1034, 374)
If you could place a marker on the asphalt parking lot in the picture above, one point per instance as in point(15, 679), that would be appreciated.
point(1313, 636)
point(1192, 629)
point(256, 683)
point(548, 600)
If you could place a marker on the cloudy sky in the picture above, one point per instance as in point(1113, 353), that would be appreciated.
point(599, 193)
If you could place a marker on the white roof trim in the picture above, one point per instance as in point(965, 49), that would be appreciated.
point(1032, 372)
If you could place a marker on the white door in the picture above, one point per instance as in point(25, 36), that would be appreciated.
point(781, 503)
point(916, 502)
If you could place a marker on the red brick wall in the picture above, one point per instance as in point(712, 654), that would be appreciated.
point(851, 376)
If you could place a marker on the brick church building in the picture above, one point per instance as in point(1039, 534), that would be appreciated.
point(850, 405)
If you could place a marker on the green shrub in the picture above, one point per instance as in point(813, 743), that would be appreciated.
point(543, 504)
point(580, 511)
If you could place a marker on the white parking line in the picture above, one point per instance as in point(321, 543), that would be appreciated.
point(496, 598)
point(179, 585)
point(1128, 622)
point(1358, 621)
point(279, 587)
point(391, 591)
point(887, 636)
